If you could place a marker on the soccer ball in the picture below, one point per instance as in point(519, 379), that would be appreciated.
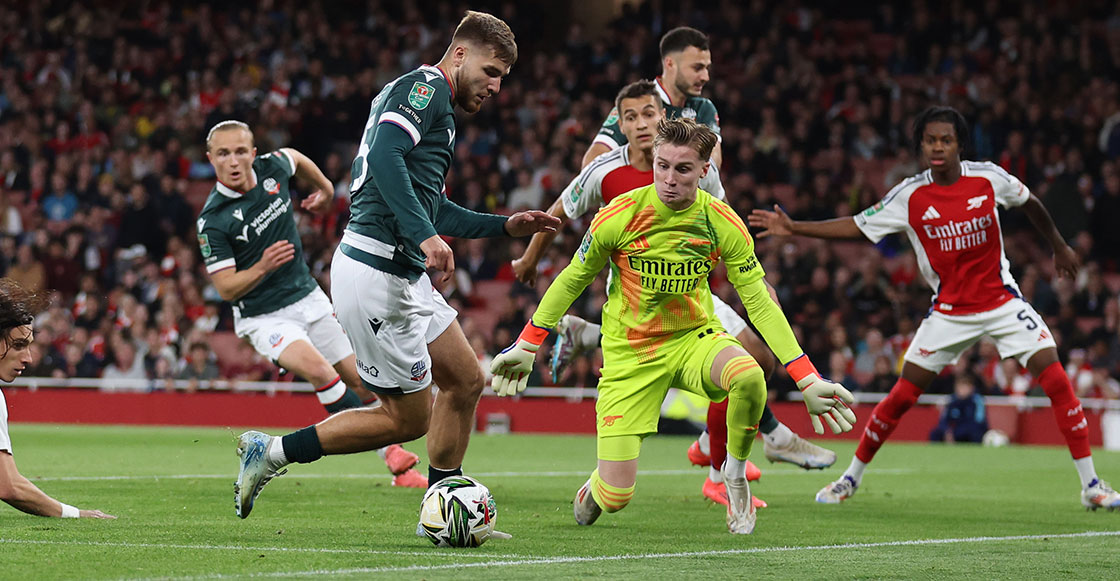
point(458, 511)
point(995, 439)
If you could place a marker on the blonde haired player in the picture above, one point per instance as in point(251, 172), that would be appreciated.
point(661, 242)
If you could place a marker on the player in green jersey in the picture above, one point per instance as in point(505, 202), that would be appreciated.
point(249, 242)
point(686, 61)
point(403, 332)
point(659, 329)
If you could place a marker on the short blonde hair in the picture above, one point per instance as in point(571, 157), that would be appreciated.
point(227, 125)
point(682, 131)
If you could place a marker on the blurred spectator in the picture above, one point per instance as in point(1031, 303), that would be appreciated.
point(200, 365)
point(964, 418)
point(124, 363)
point(27, 271)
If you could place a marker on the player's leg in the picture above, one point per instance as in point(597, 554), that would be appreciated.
point(734, 371)
point(456, 371)
point(1020, 332)
point(781, 444)
point(628, 407)
point(301, 357)
point(574, 335)
point(937, 343)
point(330, 339)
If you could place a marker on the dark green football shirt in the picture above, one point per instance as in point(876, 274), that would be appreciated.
point(235, 228)
point(397, 179)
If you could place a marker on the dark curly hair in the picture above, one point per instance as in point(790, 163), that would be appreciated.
point(18, 307)
point(945, 114)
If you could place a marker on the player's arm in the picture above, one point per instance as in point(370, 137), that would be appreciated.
point(525, 267)
point(512, 366)
point(231, 282)
point(1066, 260)
point(22, 495)
point(823, 398)
point(597, 148)
point(308, 173)
point(778, 223)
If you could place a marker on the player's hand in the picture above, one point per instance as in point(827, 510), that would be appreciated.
point(319, 202)
point(823, 398)
point(1066, 261)
point(439, 256)
point(525, 271)
point(512, 366)
point(530, 222)
point(278, 254)
point(777, 222)
point(93, 514)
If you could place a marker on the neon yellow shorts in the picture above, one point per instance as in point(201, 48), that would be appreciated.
point(631, 393)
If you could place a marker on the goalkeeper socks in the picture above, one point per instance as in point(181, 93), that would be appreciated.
point(884, 418)
point(717, 433)
point(768, 423)
point(746, 397)
point(704, 440)
point(302, 446)
point(609, 498)
point(780, 436)
point(350, 400)
point(1067, 409)
point(437, 474)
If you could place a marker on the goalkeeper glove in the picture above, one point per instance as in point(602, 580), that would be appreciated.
point(824, 398)
point(511, 367)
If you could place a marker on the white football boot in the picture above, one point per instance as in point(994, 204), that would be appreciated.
point(800, 452)
point(838, 491)
point(252, 447)
point(1100, 495)
point(741, 514)
point(584, 507)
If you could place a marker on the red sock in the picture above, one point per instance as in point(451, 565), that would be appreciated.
point(885, 417)
point(717, 433)
point(1067, 409)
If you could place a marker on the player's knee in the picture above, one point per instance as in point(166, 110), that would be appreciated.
point(744, 379)
point(465, 386)
point(610, 498)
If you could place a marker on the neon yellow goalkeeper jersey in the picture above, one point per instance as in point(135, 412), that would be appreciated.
point(660, 260)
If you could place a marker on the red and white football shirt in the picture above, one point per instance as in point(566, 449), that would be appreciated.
point(955, 233)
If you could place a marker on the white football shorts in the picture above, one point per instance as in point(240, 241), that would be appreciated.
point(731, 321)
point(390, 322)
point(1017, 330)
point(309, 319)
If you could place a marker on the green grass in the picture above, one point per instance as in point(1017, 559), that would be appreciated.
point(999, 514)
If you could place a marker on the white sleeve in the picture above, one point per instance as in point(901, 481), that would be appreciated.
point(889, 215)
point(1010, 192)
point(5, 440)
point(712, 184)
point(584, 193)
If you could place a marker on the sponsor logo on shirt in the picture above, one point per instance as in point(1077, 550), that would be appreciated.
point(204, 245)
point(873, 209)
point(931, 214)
point(239, 214)
point(367, 368)
point(584, 246)
point(975, 203)
point(271, 186)
point(960, 235)
point(613, 117)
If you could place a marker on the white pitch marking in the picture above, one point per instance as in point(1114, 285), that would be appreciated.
point(644, 556)
point(558, 474)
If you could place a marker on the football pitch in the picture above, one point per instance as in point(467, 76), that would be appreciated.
point(924, 511)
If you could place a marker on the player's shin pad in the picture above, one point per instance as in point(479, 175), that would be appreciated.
point(824, 399)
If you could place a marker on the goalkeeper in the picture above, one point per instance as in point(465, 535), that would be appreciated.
point(662, 241)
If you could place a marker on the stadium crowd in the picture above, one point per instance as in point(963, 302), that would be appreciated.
point(103, 113)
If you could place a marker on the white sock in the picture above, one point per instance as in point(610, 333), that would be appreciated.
point(1085, 470)
point(734, 467)
point(382, 452)
point(275, 454)
point(780, 437)
point(855, 470)
point(589, 336)
point(714, 475)
point(705, 443)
